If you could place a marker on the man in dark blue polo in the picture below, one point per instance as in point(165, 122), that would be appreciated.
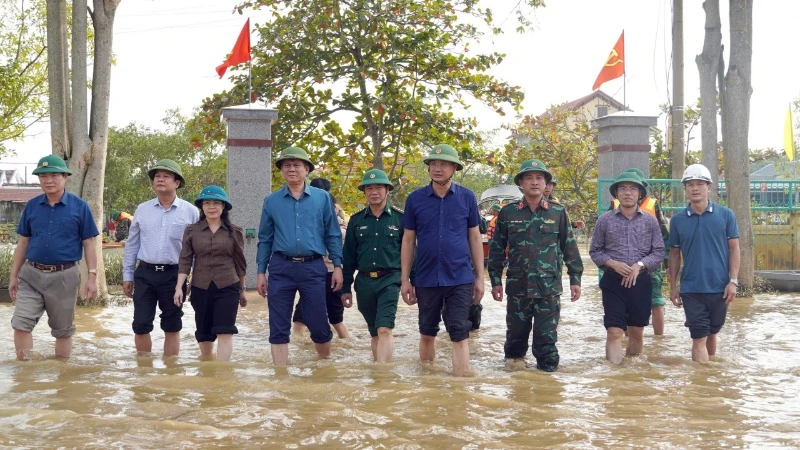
point(55, 229)
point(441, 225)
point(298, 227)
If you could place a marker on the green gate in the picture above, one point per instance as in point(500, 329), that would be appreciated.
point(775, 210)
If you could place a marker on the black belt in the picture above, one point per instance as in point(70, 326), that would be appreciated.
point(380, 273)
point(157, 267)
point(51, 267)
point(299, 259)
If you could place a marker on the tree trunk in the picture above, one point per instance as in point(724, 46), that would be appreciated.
point(57, 76)
point(707, 64)
point(82, 140)
point(735, 128)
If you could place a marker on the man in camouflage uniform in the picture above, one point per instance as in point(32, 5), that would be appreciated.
point(538, 236)
point(372, 247)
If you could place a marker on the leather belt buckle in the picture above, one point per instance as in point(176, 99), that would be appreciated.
point(48, 269)
point(298, 259)
point(158, 268)
point(373, 274)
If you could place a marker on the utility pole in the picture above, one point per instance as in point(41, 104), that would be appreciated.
point(678, 146)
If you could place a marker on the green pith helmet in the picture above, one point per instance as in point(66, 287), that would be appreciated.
point(294, 153)
point(51, 164)
point(496, 207)
point(628, 177)
point(213, 193)
point(168, 165)
point(638, 173)
point(554, 182)
point(115, 215)
point(375, 176)
point(444, 152)
point(533, 165)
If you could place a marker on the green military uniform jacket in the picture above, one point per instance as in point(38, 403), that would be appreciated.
point(537, 242)
point(372, 243)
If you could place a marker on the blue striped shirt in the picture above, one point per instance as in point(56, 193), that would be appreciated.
point(304, 227)
point(156, 234)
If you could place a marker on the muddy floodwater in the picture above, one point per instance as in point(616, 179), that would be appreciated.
point(107, 397)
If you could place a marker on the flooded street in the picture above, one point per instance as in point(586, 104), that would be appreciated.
point(106, 397)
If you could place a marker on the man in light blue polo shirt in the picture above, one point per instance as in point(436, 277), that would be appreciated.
point(440, 224)
point(707, 236)
point(298, 227)
point(154, 240)
point(55, 229)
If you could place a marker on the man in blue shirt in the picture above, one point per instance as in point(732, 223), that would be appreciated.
point(441, 225)
point(154, 240)
point(298, 227)
point(55, 229)
point(707, 236)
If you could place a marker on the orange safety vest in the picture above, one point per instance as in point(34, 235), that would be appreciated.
point(490, 228)
point(648, 205)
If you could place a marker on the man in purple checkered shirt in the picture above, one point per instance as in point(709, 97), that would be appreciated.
point(626, 243)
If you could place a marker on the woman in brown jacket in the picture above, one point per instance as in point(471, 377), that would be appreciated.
point(216, 249)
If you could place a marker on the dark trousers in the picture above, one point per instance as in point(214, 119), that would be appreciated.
point(151, 288)
point(286, 278)
point(333, 304)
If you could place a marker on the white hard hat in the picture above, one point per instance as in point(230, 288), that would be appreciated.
point(696, 172)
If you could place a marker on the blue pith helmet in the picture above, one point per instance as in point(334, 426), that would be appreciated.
point(213, 193)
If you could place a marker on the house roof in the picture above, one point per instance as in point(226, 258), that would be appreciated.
point(765, 173)
point(575, 104)
point(18, 194)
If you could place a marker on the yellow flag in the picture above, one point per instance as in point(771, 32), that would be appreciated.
point(788, 136)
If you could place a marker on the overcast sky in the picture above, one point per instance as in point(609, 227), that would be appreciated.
point(166, 51)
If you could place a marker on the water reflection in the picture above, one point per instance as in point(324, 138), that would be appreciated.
point(106, 396)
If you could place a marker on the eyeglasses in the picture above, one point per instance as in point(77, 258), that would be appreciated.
point(440, 164)
point(289, 165)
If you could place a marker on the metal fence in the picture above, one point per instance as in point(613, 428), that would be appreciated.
point(775, 208)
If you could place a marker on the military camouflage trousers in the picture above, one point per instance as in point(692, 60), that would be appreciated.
point(540, 314)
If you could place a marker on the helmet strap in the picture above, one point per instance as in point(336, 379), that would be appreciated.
point(443, 183)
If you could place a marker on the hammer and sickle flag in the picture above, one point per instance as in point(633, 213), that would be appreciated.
point(615, 65)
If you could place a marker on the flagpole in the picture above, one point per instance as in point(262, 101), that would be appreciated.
point(624, 94)
point(250, 81)
point(249, 73)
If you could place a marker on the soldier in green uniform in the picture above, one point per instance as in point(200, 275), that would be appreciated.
point(372, 246)
point(538, 236)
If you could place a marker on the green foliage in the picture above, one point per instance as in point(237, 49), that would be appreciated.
point(6, 261)
point(566, 145)
point(113, 265)
point(23, 68)
point(366, 83)
point(8, 233)
point(132, 150)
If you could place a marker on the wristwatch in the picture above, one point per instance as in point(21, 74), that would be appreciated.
point(94, 271)
point(641, 264)
point(735, 282)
